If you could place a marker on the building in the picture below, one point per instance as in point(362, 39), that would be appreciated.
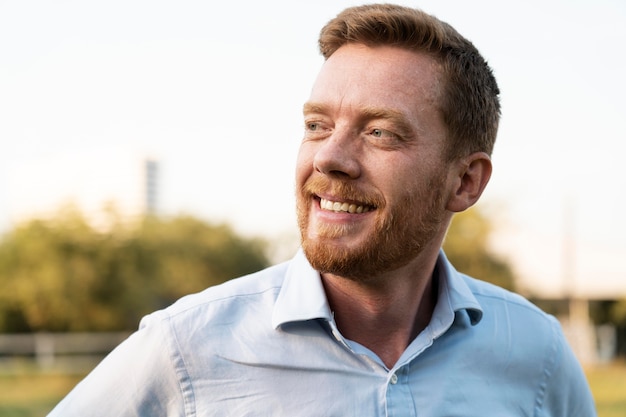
point(95, 182)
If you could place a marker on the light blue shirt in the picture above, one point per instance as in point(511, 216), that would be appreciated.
point(267, 345)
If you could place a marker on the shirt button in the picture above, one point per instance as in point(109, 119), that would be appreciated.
point(394, 379)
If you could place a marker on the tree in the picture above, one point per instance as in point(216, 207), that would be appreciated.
point(64, 275)
point(617, 316)
point(467, 247)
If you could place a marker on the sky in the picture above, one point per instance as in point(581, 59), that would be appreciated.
point(215, 93)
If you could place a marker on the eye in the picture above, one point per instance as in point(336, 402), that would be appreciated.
point(315, 129)
point(312, 126)
point(378, 133)
point(383, 134)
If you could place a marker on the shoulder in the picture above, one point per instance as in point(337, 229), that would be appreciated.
point(523, 337)
point(511, 322)
point(260, 288)
point(493, 297)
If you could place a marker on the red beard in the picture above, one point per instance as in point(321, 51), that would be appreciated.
point(400, 233)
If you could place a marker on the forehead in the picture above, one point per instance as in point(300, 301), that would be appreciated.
point(381, 76)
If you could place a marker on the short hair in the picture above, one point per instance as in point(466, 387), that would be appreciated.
point(469, 102)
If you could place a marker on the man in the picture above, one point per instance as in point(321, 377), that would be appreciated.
point(369, 319)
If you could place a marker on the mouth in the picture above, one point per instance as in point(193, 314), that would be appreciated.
point(344, 207)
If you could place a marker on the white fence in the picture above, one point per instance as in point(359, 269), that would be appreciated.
point(55, 352)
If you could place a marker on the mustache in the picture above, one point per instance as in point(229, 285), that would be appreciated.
point(343, 190)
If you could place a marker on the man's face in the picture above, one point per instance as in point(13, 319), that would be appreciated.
point(371, 182)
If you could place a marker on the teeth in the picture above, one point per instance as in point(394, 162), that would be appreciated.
point(342, 207)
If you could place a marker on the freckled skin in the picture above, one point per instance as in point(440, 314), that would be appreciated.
point(374, 137)
point(369, 122)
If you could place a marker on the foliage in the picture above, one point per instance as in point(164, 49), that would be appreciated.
point(467, 247)
point(618, 313)
point(64, 275)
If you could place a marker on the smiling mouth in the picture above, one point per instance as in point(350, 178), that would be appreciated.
point(340, 207)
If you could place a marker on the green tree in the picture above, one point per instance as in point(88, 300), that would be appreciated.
point(63, 275)
point(618, 313)
point(467, 247)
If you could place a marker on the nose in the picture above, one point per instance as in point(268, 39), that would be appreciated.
point(338, 155)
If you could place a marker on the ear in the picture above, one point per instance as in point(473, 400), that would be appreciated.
point(470, 179)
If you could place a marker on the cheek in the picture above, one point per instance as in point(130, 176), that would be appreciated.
point(417, 186)
point(304, 164)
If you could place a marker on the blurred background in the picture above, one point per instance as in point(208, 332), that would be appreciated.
point(148, 151)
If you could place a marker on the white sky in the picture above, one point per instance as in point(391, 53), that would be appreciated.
point(216, 93)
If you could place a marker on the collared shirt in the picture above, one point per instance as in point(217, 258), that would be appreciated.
point(267, 345)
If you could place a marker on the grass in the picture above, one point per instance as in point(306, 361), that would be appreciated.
point(608, 384)
point(34, 395)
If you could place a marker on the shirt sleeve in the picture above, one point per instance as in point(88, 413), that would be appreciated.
point(139, 378)
point(566, 392)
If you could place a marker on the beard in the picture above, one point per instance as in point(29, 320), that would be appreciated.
point(399, 235)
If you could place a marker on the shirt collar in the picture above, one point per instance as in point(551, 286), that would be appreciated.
point(454, 293)
point(302, 295)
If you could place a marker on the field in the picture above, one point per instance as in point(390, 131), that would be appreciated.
point(35, 395)
point(608, 384)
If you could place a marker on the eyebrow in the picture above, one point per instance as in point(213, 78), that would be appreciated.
point(395, 117)
point(310, 107)
point(370, 112)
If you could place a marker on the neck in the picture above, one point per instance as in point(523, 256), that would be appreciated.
point(387, 313)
